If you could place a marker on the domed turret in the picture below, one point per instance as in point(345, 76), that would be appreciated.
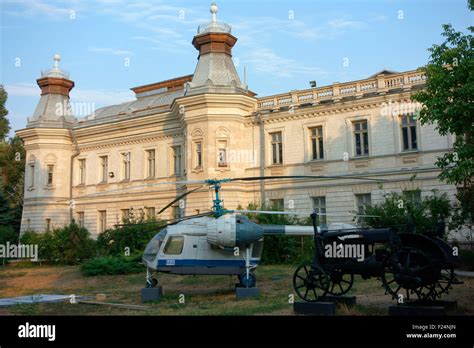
point(53, 110)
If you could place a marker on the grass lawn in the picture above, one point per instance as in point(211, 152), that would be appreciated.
point(204, 295)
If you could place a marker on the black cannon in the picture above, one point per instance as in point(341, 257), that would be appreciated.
point(408, 264)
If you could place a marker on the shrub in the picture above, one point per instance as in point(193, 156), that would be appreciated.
point(133, 236)
point(7, 234)
point(398, 210)
point(108, 265)
point(70, 244)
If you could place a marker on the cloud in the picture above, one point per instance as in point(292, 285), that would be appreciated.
point(30, 8)
point(341, 23)
point(97, 96)
point(108, 50)
point(22, 90)
point(265, 60)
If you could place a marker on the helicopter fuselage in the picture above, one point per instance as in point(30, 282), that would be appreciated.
point(204, 245)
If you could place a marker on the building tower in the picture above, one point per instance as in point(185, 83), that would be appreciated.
point(49, 149)
point(214, 109)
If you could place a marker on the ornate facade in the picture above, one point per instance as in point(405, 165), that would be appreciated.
point(210, 125)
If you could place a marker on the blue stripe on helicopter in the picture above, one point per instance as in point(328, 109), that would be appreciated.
point(209, 263)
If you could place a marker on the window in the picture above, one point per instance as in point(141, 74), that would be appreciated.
point(150, 155)
point(150, 213)
point(80, 219)
point(413, 196)
point(222, 153)
point(82, 171)
point(125, 215)
point(408, 125)
point(175, 212)
point(126, 166)
point(277, 148)
point(362, 201)
point(49, 175)
point(104, 168)
point(319, 206)
point(317, 148)
point(31, 183)
point(277, 204)
point(28, 224)
point(177, 160)
point(361, 138)
point(198, 155)
point(102, 220)
point(48, 225)
point(174, 245)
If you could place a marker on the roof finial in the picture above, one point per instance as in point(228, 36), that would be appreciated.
point(56, 58)
point(214, 10)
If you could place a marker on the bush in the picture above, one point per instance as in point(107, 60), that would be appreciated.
point(7, 234)
point(133, 236)
point(70, 244)
point(398, 210)
point(108, 265)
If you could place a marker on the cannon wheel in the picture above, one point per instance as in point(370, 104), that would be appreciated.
point(310, 282)
point(447, 279)
point(340, 283)
point(406, 261)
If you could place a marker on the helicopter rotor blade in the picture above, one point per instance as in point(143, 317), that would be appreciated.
point(179, 198)
point(182, 182)
point(273, 212)
point(253, 178)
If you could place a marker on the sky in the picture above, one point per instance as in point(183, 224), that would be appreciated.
point(110, 46)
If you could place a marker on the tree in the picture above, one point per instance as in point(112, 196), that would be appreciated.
point(12, 167)
point(4, 123)
point(448, 102)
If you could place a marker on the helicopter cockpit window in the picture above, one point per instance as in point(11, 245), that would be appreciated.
point(174, 245)
point(154, 245)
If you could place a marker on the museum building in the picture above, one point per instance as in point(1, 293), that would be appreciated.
point(130, 160)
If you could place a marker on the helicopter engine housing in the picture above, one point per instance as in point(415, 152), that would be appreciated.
point(233, 230)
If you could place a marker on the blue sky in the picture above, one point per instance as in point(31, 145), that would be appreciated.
point(283, 44)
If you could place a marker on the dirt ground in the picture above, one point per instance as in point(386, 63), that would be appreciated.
point(203, 295)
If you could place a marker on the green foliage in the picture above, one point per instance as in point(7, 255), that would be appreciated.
point(7, 234)
point(132, 236)
point(12, 164)
point(4, 123)
point(399, 210)
point(70, 244)
point(112, 265)
point(282, 249)
point(448, 102)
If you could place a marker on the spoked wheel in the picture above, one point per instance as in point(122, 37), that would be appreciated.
point(310, 282)
point(410, 272)
point(446, 280)
point(340, 283)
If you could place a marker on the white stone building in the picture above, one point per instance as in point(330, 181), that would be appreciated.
point(210, 125)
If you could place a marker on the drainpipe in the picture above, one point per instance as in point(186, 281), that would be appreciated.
point(71, 176)
point(262, 158)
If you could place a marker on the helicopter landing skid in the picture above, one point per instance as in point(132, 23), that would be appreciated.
point(151, 282)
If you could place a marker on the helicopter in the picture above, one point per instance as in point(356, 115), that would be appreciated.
point(222, 241)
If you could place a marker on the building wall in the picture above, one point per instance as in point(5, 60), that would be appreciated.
point(239, 121)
